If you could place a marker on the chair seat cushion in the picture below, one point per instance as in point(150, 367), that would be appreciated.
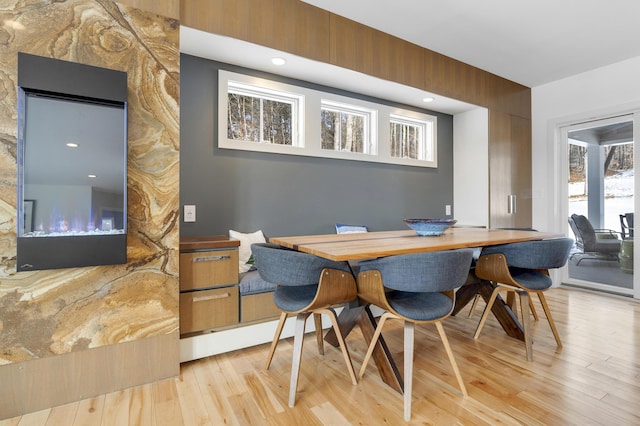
point(292, 299)
point(530, 279)
point(252, 283)
point(420, 306)
point(606, 245)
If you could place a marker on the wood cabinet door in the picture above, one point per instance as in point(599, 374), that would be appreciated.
point(509, 171)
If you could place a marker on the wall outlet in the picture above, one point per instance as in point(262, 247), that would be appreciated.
point(189, 213)
point(447, 210)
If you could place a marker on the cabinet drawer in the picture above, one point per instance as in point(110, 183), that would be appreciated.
point(202, 310)
point(255, 307)
point(204, 269)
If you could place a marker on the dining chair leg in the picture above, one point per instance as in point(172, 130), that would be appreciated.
point(511, 299)
point(317, 321)
point(343, 345)
point(276, 339)
point(533, 309)
point(374, 340)
point(298, 342)
point(473, 305)
point(447, 348)
point(526, 323)
point(409, 331)
point(487, 311)
point(552, 324)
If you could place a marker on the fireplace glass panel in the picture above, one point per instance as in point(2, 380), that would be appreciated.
point(74, 168)
point(72, 165)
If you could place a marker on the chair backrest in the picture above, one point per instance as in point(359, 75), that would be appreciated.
point(423, 272)
point(586, 231)
point(577, 233)
point(542, 254)
point(279, 265)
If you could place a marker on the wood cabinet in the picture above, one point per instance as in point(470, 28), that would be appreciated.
point(509, 171)
point(209, 295)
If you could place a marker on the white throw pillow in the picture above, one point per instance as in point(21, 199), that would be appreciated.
point(244, 252)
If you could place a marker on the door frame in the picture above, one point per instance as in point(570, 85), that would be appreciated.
point(561, 178)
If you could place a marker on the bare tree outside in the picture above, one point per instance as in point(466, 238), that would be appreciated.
point(247, 116)
point(405, 140)
point(341, 131)
point(243, 118)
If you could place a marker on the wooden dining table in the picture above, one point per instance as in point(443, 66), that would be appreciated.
point(370, 245)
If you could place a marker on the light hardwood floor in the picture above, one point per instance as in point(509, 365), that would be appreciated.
point(594, 380)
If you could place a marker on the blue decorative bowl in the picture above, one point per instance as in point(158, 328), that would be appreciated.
point(424, 227)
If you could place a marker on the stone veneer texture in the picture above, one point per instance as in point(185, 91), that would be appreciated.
point(46, 313)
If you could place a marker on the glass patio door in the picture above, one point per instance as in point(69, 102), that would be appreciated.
point(601, 181)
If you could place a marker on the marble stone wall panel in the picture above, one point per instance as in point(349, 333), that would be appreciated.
point(46, 313)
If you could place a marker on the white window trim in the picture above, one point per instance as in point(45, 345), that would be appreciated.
point(427, 133)
point(296, 101)
point(308, 132)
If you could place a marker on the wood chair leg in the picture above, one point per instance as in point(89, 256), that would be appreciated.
point(298, 342)
point(447, 348)
point(552, 324)
point(276, 338)
point(487, 311)
point(524, 308)
point(409, 331)
point(317, 321)
point(374, 340)
point(343, 345)
point(473, 305)
point(511, 299)
point(533, 309)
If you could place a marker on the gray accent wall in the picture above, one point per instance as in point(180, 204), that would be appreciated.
point(288, 194)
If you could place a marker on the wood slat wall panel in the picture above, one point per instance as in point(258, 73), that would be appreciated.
point(290, 26)
point(499, 167)
point(56, 380)
point(364, 49)
point(521, 169)
point(168, 8)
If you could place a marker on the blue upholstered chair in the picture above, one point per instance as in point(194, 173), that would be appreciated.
point(418, 289)
point(307, 285)
point(523, 268)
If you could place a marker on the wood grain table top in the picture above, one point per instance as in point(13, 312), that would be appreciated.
point(371, 245)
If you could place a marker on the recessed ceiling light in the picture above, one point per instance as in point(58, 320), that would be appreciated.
point(278, 61)
point(72, 145)
point(429, 99)
point(92, 176)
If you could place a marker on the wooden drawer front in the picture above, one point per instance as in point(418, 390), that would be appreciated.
point(205, 269)
point(201, 310)
point(258, 307)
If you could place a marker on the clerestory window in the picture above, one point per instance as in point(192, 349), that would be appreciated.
point(257, 114)
point(411, 138)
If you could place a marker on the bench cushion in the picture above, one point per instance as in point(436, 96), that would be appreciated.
point(251, 283)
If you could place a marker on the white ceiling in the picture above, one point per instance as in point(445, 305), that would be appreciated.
point(529, 42)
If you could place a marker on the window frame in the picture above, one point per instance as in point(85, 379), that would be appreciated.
point(370, 130)
point(427, 135)
point(309, 142)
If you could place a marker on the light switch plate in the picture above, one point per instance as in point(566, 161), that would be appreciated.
point(189, 213)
